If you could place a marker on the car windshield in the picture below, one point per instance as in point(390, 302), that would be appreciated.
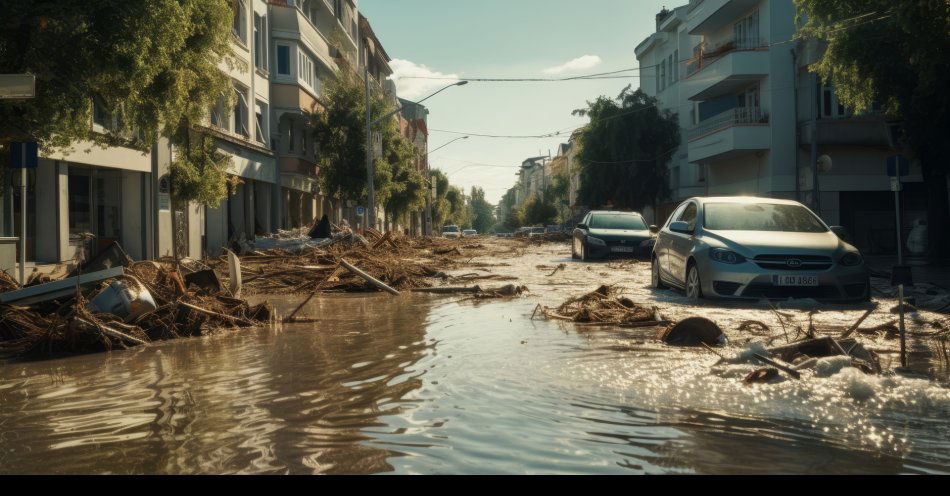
point(450, 229)
point(761, 217)
point(625, 222)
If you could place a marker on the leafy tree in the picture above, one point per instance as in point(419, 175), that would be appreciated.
point(511, 215)
point(441, 209)
point(625, 149)
point(894, 53)
point(559, 192)
point(483, 216)
point(539, 212)
point(407, 190)
point(458, 210)
point(154, 66)
point(340, 134)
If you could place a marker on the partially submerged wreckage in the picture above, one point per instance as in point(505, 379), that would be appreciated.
point(605, 306)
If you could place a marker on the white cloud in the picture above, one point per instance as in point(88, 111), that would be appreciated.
point(578, 64)
point(413, 89)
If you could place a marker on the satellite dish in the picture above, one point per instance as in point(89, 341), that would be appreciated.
point(824, 163)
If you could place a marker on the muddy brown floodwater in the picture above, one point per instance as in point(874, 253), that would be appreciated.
point(422, 384)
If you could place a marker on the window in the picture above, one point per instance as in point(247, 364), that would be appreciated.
point(219, 113)
point(700, 173)
point(829, 106)
point(746, 32)
point(689, 216)
point(290, 136)
point(663, 75)
point(260, 123)
point(240, 114)
point(669, 64)
point(260, 42)
point(306, 70)
point(761, 217)
point(676, 65)
point(338, 9)
point(100, 115)
point(283, 60)
point(239, 28)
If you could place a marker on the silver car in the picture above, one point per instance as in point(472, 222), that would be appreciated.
point(746, 247)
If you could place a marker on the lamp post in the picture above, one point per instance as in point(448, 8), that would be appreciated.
point(370, 186)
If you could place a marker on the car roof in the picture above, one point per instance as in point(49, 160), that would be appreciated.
point(743, 199)
point(614, 212)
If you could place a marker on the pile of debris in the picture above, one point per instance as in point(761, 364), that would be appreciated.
point(396, 262)
point(604, 306)
point(122, 305)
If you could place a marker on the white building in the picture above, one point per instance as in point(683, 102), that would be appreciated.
point(748, 106)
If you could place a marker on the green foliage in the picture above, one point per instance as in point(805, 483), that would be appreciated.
point(895, 54)
point(407, 189)
point(559, 192)
point(458, 209)
point(625, 150)
point(482, 212)
point(539, 212)
point(340, 134)
point(199, 172)
point(511, 214)
point(154, 65)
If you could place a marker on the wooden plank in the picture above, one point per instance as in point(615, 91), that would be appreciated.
point(370, 279)
point(57, 289)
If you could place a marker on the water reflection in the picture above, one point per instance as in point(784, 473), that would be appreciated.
point(268, 401)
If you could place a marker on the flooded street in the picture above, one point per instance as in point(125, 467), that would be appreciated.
point(419, 384)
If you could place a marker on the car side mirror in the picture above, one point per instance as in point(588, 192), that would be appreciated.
point(680, 227)
point(654, 229)
point(842, 233)
point(582, 226)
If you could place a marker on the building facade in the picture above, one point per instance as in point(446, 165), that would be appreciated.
point(750, 112)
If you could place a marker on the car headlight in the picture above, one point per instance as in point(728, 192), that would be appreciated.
point(596, 241)
point(726, 256)
point(852, 259)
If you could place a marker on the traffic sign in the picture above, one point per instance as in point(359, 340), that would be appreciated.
point(24, 155)
point(897, 165)
point(360, 211)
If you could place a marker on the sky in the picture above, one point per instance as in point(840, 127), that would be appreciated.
point(507, 38)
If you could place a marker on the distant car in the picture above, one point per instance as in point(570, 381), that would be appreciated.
point(554, 229)
point(534, 232)
point(469, 232)
point(522, 232)
point(602, 233)
point(753, 248)
point(451, 232)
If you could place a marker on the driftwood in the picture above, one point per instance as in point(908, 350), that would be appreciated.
point(473, 289)
point(108, 331)
point(784, 368)
point(370, 279)
point(857, 324)
point(216, 314)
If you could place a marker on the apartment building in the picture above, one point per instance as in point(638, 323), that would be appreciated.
point(750, 112)
point(310, 40)
point(414, 126)
point(241, 132)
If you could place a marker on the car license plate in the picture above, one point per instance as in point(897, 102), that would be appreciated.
point(621, 249)
point(787, 280)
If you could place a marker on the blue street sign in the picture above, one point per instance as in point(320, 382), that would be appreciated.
point(24, 155)
point(360, 211)
point(897, 165)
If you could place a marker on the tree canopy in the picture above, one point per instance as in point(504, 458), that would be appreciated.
point(152, 65)
point(482, 212)
point(896, 54)
point(625, 149)
point(340, 135)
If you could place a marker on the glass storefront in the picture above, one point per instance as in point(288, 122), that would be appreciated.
point(95, 200)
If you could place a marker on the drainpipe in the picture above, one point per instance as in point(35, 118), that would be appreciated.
point(814, 147)
point(798, 192)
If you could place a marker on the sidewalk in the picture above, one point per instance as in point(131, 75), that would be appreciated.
point(935, 272)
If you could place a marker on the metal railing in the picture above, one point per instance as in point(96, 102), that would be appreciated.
point(707, 54)
point(739, 116)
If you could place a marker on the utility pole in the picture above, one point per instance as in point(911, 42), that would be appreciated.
point(370, 186)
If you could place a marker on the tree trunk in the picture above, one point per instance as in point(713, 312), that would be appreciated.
point(938, 213)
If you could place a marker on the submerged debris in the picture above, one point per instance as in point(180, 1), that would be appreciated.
point(603, 306)
point(694, 331)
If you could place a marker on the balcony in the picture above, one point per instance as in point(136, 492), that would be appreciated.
point(725, 69)
point(865, 130)
point(708, 16)
point(728, 134)
point(294, 98)
point(288, 22)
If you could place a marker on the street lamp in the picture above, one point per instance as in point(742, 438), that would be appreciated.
point(445, 145)
point(371, 189)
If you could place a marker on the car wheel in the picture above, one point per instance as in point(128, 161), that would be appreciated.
point(694, 289)
point(655, 280)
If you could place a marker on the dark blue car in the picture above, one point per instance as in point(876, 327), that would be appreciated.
point(602, 233)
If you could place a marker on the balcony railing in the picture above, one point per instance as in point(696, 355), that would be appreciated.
point(740, 116)
point(705, 54)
